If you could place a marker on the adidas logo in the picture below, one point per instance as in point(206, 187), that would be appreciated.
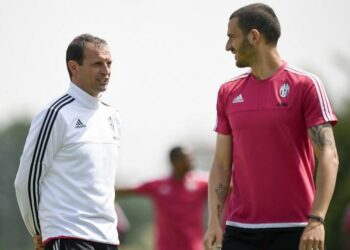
point(238, 99)
point(79, 124)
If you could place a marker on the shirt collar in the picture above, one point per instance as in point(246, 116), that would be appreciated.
point(83, 97)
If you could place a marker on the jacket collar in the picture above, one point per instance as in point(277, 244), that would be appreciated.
point(83, 97)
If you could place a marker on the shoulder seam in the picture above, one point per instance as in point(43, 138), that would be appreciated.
point(325, 105)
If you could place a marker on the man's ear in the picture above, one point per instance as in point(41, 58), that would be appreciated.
point(254, 37)
point(73, 67)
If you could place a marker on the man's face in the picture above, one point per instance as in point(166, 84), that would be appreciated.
point(93, 75)
point(186, 160)
point(183, 163)
point(239, 45)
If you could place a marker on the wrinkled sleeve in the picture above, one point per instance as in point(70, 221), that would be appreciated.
point(43, 141)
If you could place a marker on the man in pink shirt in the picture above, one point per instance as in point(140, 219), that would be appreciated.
point(270, 123)
point(179, 202)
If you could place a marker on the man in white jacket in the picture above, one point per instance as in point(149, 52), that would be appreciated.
point(66, 178)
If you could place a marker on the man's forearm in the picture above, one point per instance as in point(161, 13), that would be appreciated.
point(219, 185)
point(325, 184)
point(326, 153)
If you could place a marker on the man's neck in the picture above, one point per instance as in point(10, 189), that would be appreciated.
point(266, 64)
point(81, 86)
point(179, 175)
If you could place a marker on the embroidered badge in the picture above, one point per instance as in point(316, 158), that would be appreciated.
point(284, 90)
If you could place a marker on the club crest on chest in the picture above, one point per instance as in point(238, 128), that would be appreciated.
point(284, 90)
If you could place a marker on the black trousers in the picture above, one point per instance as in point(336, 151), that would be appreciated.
point(261, 239)
point(78, 244)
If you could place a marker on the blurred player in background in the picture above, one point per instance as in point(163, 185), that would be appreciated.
point(270, 122)
point(66, 178)
point(123, 226)
point(179, 202)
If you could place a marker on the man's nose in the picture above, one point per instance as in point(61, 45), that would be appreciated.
point(228, 46)
point(106, 69)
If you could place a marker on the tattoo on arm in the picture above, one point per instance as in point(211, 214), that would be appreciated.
point(322, 135)
point(221, 192)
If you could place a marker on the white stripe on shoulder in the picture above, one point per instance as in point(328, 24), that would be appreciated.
point(329, 112)
point(321, 93)
point(244, 75)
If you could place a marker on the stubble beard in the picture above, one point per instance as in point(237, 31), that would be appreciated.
point(244, 54)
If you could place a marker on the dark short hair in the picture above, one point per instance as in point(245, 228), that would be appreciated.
point(261, 17)
point(75, 50)
point(176, 153)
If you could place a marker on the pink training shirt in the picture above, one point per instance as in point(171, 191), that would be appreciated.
point(273, 158)
point(179, 210)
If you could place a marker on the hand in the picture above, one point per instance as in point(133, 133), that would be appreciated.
point(213, 237)
point(38, 243)
point(313, 236)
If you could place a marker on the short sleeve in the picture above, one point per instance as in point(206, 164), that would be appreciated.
point(316, 105)
point(222, 123)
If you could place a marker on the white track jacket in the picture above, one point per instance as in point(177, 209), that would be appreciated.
point(65, 184)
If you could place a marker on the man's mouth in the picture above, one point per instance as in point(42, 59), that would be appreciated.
point(103, 80)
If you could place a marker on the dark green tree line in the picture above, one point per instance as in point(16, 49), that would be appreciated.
point(14, 235)
point(334, 225)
